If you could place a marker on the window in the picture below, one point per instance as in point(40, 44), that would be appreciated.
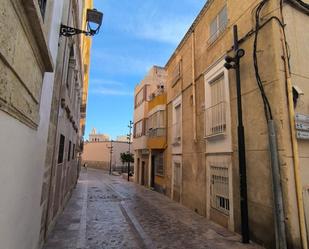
point(42, 5)
point(178, 122)
point(73, 152)
point(216, 112)
point(220, 186)
point(176, 73)
point(218, 25)
point(139, 129)
point(140, 97)
point(61, 149)
point(159, 164)
point(156, 124)
point(69, 151)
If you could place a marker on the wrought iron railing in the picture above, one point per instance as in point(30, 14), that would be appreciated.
point(215, 120)
point(156, 132)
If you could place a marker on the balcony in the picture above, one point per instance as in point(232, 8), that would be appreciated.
point(157, 100)
point(156, 138)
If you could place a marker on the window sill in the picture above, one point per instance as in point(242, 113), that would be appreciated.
point(216, 136)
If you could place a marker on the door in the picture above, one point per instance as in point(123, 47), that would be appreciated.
point(143, 173)
point(152, 177)
point(177, 182)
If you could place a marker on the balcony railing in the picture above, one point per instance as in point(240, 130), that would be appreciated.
point(215, 120)
point(156, 132)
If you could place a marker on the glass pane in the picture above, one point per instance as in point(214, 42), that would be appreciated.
point(223, 18)
point(213, 27)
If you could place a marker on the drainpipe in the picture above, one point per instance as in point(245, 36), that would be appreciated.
point(298, 183)
point(193, 88)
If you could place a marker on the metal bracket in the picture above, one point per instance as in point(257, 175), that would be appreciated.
point(69, 31)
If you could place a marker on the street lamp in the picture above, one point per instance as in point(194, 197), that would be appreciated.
point(234, 63)
point(93, 20)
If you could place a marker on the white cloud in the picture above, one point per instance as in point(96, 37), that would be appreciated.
point(116, 63)
point(105, 82)
point(162, 31)
point(112, 92)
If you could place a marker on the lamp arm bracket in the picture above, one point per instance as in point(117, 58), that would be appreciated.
point(69, 31)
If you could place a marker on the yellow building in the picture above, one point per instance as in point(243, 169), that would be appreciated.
point(149, 126)
point(86, 47)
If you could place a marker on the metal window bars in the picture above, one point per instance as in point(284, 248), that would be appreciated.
point(220, 186)
point(215, 119)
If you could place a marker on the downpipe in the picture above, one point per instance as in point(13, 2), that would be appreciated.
point(277, 188)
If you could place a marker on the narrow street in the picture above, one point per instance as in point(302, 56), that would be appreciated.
point(108, 212)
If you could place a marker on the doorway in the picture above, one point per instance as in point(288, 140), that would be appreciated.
point(176, 181)
point(143, 173)
point(152, 177)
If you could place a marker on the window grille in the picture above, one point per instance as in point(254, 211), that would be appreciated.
point(215, 115)
point(42, 5)
point(219, 177)
point(218, 25)
point(61, 149)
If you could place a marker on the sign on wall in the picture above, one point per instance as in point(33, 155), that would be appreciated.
point(302, 126)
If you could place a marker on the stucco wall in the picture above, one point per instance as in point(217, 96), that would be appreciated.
point(99, 152)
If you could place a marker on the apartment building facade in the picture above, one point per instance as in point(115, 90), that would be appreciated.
point(201, 158)
point(149, 120)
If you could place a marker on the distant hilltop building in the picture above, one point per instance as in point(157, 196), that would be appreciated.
point(97, 137)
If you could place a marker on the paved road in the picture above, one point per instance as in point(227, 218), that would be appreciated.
point(108, 212)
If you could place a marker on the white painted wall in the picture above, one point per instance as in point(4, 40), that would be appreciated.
point(22, 154)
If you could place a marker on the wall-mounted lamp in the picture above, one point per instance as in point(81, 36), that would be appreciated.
point(93, 21)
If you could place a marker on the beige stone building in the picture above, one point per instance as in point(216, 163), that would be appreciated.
point(148, 123)
point(201, 159)
point(41, 77)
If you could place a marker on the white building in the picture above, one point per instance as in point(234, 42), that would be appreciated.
point(98, 137)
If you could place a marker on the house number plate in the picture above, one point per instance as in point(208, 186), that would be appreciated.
point(302, 135)
point(302, 118)
point(302, 126)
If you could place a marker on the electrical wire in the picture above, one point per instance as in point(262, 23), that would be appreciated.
point(267, 107)
point(300, 4)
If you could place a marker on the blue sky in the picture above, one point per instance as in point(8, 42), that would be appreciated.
point(135, 35)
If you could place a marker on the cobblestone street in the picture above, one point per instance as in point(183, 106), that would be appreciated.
point(108, 212)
